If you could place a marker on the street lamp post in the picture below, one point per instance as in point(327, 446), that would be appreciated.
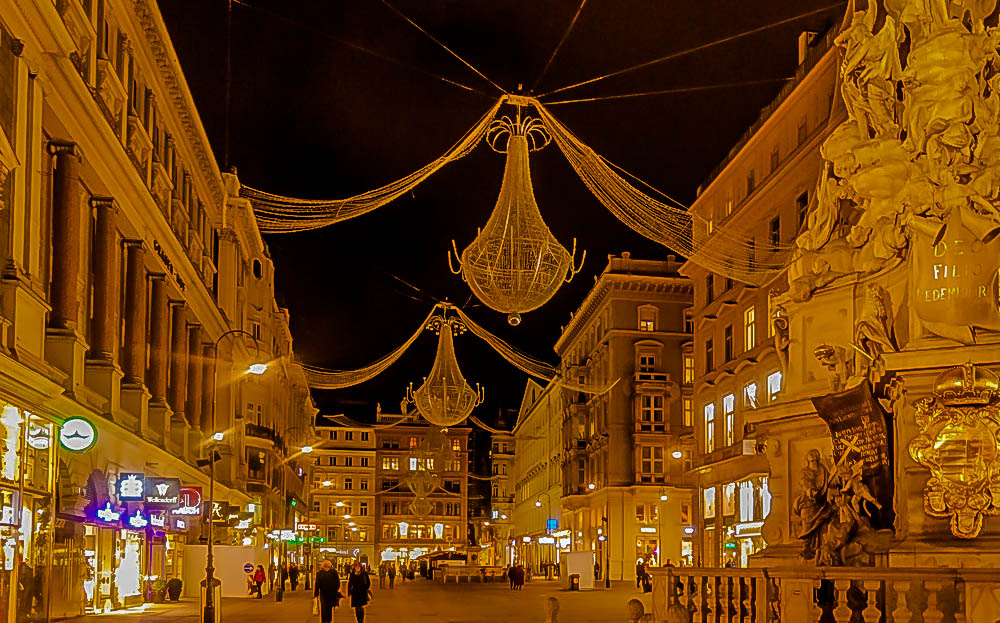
point(279, 595)
point(208, 614)
point(607, 553)
point(538, 504)
point(659, 533)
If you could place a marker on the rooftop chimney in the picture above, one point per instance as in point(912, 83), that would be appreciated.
point(806, 39)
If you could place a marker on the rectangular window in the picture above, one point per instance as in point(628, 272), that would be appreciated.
point(750, 395)
point(333, 461)
point(729, 499)
point(775, 159)
point(333, 435)
point(349, 461)
point(709, 355)
point(709, 427)
point(746, 501)
point(688, 323)
point(751, 181)
point(364, 461)
point(729, 205)
point(689, 368)
point(773, 385)
point(647, 363)
point(349, 435)
point(364, 484)
point(729, 412)
point(456, 465)
point(647, 319)
point(640, 513)
point(749, 328)
point(413, 442)
point(709, 497)
point(348, 483)
point(316, 506)
point(331, 533)
point(803, 132)
point(728, 343)
point(709, 289)
point(651, 412)
point(688, 414)
point(651, 460)
point(456, 445)
point(730, 284)
point(802, 208)
point(390, 462)
point(364, 436)
point(774, 232)
point(363, 509)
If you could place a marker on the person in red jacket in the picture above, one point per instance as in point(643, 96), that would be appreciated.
point(259, 577)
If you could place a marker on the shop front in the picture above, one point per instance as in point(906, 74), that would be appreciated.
point(27, 521)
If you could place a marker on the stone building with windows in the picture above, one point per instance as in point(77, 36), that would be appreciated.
point(407, 525)
point(761, 193)
point(131, 270)
point(502, 453)
point(342, 502)
point(626, 446)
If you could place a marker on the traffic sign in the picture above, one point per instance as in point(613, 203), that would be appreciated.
point(248, 568)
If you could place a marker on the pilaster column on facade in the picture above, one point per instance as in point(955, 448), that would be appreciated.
point(67, 216)
point(209, 363)
point(159, 329)
point(178, 359)
point(104, 267)
point(227, 273)
point(195, 374)
point(135, 397)
point(157, 428)
point(134, 348)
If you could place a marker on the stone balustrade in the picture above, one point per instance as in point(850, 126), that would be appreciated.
point(829, 594)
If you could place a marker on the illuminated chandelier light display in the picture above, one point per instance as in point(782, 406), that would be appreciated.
point(515, 264)
point(445, 398)
point(426, 464)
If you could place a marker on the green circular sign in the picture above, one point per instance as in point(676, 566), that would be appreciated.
point(77, 435)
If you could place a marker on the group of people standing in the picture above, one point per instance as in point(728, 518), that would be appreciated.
point(256, 579)
point(326, 591)
point(387, 570)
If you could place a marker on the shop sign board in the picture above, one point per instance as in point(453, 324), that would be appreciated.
point(307, 527)
point(163, 491)
point(546, 540)
point(189, 502)
point(137, 520)
point(77, 435)
point(108, 514)
point(131, 487)
point(158, 519)
point(220, 512)
point(180, 524)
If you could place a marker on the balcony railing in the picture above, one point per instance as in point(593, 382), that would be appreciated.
point(745, 447)
point(826, 594)
point(261, 432)
point(651, 377)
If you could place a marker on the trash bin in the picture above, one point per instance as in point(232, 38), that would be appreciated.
point(574, 582)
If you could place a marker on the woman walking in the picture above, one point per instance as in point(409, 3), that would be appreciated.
point(258, 579)
point(359, 589)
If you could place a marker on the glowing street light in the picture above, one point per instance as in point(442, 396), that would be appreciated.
point(257, 369)
point(677, 454)
point(327, 483)
point(338, 504)
point(538, 502)
point(591, 486)
point(307, 449)
point(218, 436)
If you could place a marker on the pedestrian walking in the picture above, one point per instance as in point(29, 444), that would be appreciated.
point(392, 575)
point(639, 572)
point(293, 575)
point(381, 575)
point(359, 590)
point(259, 577)
point(326, 591)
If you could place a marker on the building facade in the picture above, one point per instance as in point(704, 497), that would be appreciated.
point(502, 453)
point(761, 193)
point(342, 502)
point(537, 477)
point(136, 293)
point(413, 457)
point(626, 441)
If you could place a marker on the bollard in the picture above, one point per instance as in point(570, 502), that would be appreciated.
point(551, 610)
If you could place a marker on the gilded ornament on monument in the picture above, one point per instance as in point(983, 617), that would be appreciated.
point(958, 443)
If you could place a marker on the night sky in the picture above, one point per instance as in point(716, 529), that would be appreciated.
point(313, 116)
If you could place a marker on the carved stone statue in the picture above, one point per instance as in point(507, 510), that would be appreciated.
point(781, 339)
point(873, 335)
point(921, 142)
point(834, 521)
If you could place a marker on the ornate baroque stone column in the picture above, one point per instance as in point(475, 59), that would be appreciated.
point(66, 237)
point(134, 355)
point(105, 269)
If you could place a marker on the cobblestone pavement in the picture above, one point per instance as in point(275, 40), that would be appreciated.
point(418, 601)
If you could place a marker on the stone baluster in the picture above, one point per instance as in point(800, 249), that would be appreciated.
point(722, 597)
point(871, 612)
point(932, 614)
point(697, 596)
point(66, 236)
point(816, 610)
point(842, 613)
point(960, 601)
point(902, 613)
point(105, 269)
point(746, 596)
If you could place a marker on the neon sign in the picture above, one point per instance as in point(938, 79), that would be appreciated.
point(131, 486)
point(189, 503)
point(137, 520)
point(77, 434)
point(108, 514)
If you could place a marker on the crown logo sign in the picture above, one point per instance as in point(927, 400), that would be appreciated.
point(131, 487)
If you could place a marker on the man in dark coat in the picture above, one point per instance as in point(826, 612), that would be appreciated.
point(327, 589)
point(293, 575)
point(358, 587)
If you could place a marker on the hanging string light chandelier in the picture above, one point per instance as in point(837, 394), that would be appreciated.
point(515, 264)
point(445, 398)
